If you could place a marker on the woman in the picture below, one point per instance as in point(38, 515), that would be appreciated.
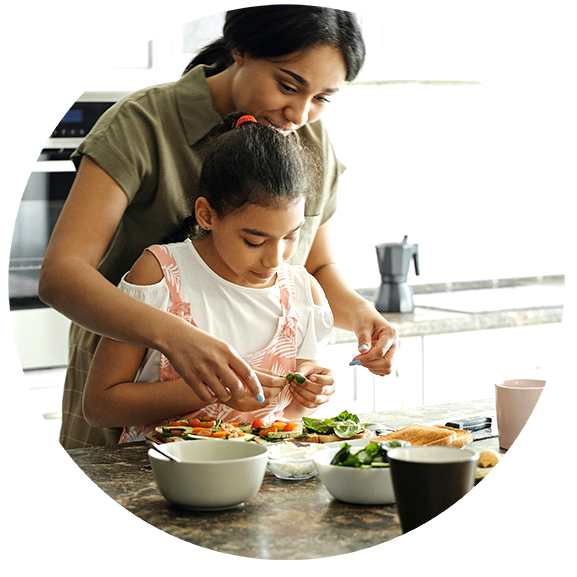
point(282, 64)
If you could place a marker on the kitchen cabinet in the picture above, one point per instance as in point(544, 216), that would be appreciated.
point(464, 366)
point(358, 390)
point(46, 388)
point(443, 368)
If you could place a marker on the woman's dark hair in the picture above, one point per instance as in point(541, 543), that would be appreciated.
point(251, 164)
point(279, 30)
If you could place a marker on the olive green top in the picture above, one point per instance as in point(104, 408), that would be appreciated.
point(152, 144)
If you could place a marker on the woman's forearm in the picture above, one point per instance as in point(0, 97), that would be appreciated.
point(83, 295)
point(344, 301)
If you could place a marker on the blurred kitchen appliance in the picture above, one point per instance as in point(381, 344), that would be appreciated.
point(40, 332)
point(395, 295)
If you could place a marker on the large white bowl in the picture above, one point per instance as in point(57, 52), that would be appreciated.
point(355, 485)
point(210, 475)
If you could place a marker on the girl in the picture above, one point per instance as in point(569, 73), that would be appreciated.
point(233, 282)
point(283, 65)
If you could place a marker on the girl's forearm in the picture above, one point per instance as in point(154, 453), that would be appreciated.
point(134, 403)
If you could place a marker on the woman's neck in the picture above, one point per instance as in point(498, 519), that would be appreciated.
point(220, 87)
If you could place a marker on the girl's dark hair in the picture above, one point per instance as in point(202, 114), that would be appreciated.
point(279, 30)
point(251, 164)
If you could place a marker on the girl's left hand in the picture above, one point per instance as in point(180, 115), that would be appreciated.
point(318, 387)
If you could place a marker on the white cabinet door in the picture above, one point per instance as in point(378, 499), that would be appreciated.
point(359, 391)
point(466, 366)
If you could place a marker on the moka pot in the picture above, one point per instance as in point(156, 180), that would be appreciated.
point(395, 295)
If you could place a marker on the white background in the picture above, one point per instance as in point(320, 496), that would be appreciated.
point(54, 517)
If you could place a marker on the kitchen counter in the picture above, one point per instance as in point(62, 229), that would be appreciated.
point(426, 320)
point(272, 524)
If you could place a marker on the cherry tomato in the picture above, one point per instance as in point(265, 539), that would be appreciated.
point(219, 434)
point(264, 432)
point(279, 425)
point(257, 424)
point(291, 427)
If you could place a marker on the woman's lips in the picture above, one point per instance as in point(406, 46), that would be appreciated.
point(280, 128)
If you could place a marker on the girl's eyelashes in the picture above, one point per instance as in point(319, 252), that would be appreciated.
point(289, 239)
point(251, 245)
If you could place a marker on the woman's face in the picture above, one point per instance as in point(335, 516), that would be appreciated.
point(290, 91)
point(248, 247)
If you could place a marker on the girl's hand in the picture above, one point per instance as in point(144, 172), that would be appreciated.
point(378, 342)
point(318, 387)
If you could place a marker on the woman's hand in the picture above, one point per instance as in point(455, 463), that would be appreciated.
point(271, 384)
point(378, 342)
point(318, 387)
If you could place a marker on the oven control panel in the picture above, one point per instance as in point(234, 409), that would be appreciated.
point(80, 119)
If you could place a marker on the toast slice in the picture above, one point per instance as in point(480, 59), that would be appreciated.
point(420, 435)
point(463, 437)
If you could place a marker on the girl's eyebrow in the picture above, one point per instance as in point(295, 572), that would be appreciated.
point(303, 81)
point(256, 232)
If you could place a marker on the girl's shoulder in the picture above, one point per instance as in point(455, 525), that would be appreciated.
point(145, 271)
point(309, 285)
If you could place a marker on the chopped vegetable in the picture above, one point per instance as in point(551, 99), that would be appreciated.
point(345, 425)
point(300, 379)
point(373, 455)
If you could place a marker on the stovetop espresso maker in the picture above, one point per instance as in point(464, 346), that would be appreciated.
point(395, 295)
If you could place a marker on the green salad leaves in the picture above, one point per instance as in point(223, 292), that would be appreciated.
point(373, 455)
point(345, 425)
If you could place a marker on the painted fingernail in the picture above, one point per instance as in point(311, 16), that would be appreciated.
point(354, 363)
point(260, 398)
point(363, 347)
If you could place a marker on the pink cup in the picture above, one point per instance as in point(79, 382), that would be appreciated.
point(514, 403)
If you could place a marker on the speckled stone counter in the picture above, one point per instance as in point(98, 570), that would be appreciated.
point(428, 321)
point(285, 520)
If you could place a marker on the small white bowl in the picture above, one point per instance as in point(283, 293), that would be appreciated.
point(210, 475)
point(360, 486)
point(293, 461)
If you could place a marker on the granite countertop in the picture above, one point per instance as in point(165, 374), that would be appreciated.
point(425, 321)
point(267, 526)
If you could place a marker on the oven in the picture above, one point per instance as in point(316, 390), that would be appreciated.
point(41, 333)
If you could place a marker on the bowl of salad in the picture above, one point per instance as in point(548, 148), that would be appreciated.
point(358, 473)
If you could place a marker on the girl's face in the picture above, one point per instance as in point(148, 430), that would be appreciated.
point(290, 91)
point(248, 247)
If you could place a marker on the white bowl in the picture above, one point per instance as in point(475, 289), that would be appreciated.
point(210, 475)
point(292, 462)
point(360, 486)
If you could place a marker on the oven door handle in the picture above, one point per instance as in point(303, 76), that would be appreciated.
point(53, 166)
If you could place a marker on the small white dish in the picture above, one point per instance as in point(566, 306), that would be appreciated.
point(293, 461)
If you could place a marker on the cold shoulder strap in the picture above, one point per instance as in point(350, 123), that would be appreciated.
point(169, 270)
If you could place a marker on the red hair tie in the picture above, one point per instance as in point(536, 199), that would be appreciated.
point(243, 119)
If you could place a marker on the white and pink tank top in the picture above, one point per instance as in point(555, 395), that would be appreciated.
point(279, 356)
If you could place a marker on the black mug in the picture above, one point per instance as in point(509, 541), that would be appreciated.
point(427, 480)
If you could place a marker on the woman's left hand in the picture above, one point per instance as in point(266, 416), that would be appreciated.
point(378, 342)
point(318, 387)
